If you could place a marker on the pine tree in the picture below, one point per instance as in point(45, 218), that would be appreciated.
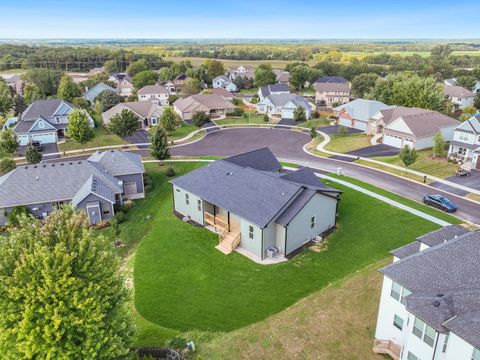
point(159, 144)
point(66, 298)
point(299, 115)
point(313, 132)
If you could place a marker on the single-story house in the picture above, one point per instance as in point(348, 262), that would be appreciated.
point(227, 95)
point(255, 206)
point(242, 71)
point(223, 81)
point(283, 77)
point(357, 113)
point(93, 92)
point(94, 185)
point(453, 81)
point(459, 96)
point(123, 82)
point(283, 105)
point(154, 93)
point(417, 129)
point(272, 89)
point(465, 145)
point(214, 105)
point(330, 90)
point(148, 112)
point(45, 121)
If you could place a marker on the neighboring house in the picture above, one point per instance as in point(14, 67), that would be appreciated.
point(330, 90)
point(283, 105)
point(179, 82)
point(430, 299)
point(45, 121)
point(15, 82)
point(247, 72)
point(78, 77)
point(155, 93)
point(94, 185)
point(273, 89)
point(283, 77)
point(224, 82)
point(93, 92)
point(357, 113)
point(123, 83)
point(148, 112)
point(214, 105)
point(453, 81)
point(417, 130)
point(459, 96)
point(465, 145)
point(227, 95)
point(10, 123)
point(255, 206)
point(170, 86)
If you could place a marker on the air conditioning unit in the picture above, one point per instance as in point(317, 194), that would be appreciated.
point(317, 239)
point(272, 251)
point(186, 218)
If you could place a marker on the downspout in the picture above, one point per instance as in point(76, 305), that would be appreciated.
point(262, 257)
point(435, 347)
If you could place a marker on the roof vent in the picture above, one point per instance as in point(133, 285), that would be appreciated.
point(44, 165)
point(34, 166)
point(71, 163)
point(61, 164)
point(36, 178)
point(283, 194)
point(440, 295)
point(53, 165)
point(79, 162)
point(436, 303)
point(26, 167)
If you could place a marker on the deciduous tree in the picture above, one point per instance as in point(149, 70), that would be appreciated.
point(108, 99)
point(31, 92)
point(19, 105)
point(264, 75)
point(123, 124)
point(439, 146)
point(79, 129)
point(408, 156)
point(46, 80)
point(143, 78)
point(168, 119)
point(6, 165)
point(8, 141)
point(199, 118)
point(137, 66)
point(6, 99)
point(362, 84)
point(68, 90)
point(32, 155)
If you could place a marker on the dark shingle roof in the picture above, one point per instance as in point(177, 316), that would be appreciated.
point(41, 108)
point(295, 207)
point(441, 235)
point(332, 79)
point(260, 159)
point(306, 176)
point(278, 87)
point(406, 250)
point(119, 162)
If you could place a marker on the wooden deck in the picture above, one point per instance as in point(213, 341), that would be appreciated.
point(387, 347)
point(227, 240)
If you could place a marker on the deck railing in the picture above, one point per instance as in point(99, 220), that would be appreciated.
point(214, 220)
point(387, 347)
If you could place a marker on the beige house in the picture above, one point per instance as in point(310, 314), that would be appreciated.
point(148, 112)
point(331, 90)
point(154, 93)
point(123, 82)
point(214, 105)
point(459, 96)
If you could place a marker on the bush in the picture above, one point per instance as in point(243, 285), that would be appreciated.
point(237, 101)
point(176, 342)
point(120, 217)
point(237, 112)
point(199, 118)
point(316, 114)
point(170, 172)
point(14, 215)
point(266, 119)
point(6, 165)
point(342, 130)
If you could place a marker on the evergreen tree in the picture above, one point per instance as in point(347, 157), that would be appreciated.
point(313, 132)
point(79, 129)
point(159, 144)
point(266, 118)
point(32, 155)
point(123, 124)
point(299, 115)
point(65, 298)
point(168, 119)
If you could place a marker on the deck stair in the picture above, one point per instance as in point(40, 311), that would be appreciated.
point(228, 241)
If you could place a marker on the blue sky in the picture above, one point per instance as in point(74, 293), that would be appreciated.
point(239, 19)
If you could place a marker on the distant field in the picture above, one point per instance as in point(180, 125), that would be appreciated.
point(12, 71)
point(196, 61)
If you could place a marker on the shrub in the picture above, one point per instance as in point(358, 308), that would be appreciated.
point(199, 118)
point(237, 101)
point(237, 112)
point(120, 217)
point(170, 172)
point(316, 114)
point(342, 130)
point(266, 118)
point(14, 215)
point(177, 343)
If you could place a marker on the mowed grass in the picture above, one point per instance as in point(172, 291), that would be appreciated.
point(248, 118)
point(344, 144)
point(182, 282)
point(426, 164)
point(102, 138)
point(180, 132)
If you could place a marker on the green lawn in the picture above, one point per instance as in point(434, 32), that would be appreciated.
point(182, 282)
point(440, 168)
point(343, 144)
point(181, 131)
point(316, 123)
point(248, 118)
point(102, 138)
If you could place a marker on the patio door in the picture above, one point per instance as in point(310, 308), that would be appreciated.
point(234, 223)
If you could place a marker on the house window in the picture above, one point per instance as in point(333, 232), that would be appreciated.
point(445, 343)
point(187, 199)
point(250, 232)
point(57, 204)
point(424, 332)
point(312, 222)
point(199, 205)
point(398, 322)
point(154, 121)
point(398, 292)
point(463, 137)
point(476, 354)
point(410, 356)
point(41, 125)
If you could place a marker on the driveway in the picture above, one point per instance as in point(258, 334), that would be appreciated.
point(472, 181)
point(375, 151)
point(46, 150)
point(284, 121)
point(333, 130)
point(139, 137)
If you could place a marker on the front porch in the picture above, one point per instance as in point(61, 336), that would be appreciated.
point(229, 235)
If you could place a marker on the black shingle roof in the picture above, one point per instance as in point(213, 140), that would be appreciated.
point(444, 234)
point(260, 159)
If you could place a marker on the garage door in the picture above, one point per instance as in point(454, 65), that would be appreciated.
point(407, 142)
point(287, 113)
point(47, 138)
point(344, 122)
point(130, 188)
point(393, 141)
point(23, 140)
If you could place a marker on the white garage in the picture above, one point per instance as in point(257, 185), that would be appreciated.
point(287, 113)
point(393, 140)
point(45, 138)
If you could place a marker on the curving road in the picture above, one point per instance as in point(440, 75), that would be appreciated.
point(288, 146)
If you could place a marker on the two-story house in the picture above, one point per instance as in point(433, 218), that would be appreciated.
point(45, 121)
point(123, 83)
point(242, 71)
point(459, 96)
point(430, 298)
point(224, 82)
point(154, 93)
point(331, 90)
point(465, 146)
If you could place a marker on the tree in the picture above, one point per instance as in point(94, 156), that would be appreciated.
point(8, 141)
point(313, 132)
point(159, 144)
point(192, 86)
point(81, 103)
point(123, 124)
point(32, 155)
point(137, 66)
point(168, 119)
point(19, 105)
point(68, 90)
point(6, 99)
point(410, 91)
point(362, 84)
point(199, 118)
point(31, 92)
point(299, 114)
point(299, 75)
point(46, 80)
point(264, 75)
point(214, 68)
point(439, 147)
point(6, 165)
point(116, 231)
point(266, 119)
point(342, 130)
point(165, 74)
point(111, 67)
point(108, 99)
point(66, 298)
point(79, 129)
point(408, 156)
point(477, 101)
point(143, 78)
point(466, 81)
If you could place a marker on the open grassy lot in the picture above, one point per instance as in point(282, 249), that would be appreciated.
point(102, 138)
point(435, 167)
point(343, 144)
point(316, 123)
point(182, 282)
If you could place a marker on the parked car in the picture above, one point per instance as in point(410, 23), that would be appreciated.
point(37, 145)
point(439, 202)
